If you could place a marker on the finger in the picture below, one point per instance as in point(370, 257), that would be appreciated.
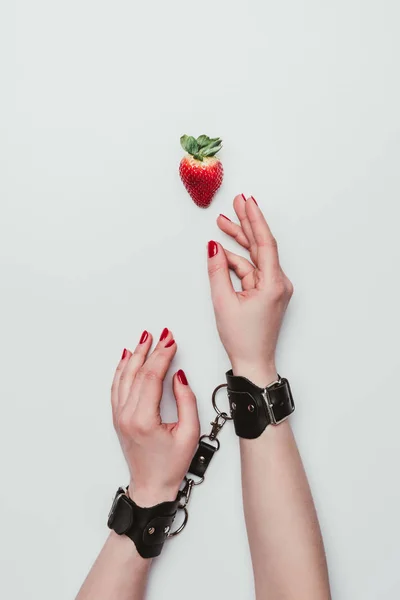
point(222, 290)
point(239, 204)
point(188, 416)
point(126, 354)
point(267, 249)
point(132, 366)
point(146, 391)
point(240, 265)
point(233, 230)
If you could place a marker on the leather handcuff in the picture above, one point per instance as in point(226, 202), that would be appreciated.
point(252, 409)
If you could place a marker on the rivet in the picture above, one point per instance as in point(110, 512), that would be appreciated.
point(151, 530)
point(202, 459)
point(166, 529)
point(250, 408)
point(233, 406)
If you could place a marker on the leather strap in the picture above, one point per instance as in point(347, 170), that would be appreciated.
point(202, 458)
point(254, 408)
point(148, 528)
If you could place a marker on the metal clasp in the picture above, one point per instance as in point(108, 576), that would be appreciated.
point(217, 425)
point(186, 492)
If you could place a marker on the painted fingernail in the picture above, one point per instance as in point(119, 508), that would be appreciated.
point(124, 353)
point(182, 377)
point(227, 218)
point(144, 337)
point(170, 343)
point(254, 200)
point(164, 334)
point(244, 197)
point(212, 249)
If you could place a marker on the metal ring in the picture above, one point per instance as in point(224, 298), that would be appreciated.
point(216, 440)
point(182, 526)
point(214, 402)
point(195, 482)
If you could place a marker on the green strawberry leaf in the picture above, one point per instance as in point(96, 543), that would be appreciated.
point(203, 140)
point(211, 150)
point(189, 144)
point(202, 147)
point(183, 141)
point(215, 142)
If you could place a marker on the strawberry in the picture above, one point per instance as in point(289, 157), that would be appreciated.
point(200, 171)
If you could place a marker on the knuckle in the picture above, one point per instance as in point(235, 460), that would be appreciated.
point(273, 243)
point(238, 236)
point(213, 269)
point(278, 290)
point(267, 242)
point(150, 375)
point(141, 372)
point(261, 241)
point(290, 288)
point(140, 427)
point(124, 423)
point(194, 433)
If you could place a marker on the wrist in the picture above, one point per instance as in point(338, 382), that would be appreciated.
point(151, 497)
point(261, 374)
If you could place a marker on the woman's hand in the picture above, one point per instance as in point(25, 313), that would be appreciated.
point(249, 321)
point(158, 454)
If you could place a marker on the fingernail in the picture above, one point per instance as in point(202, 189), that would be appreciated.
point(170, 343)
point(227, 218)
point(244, 197)
point(164, 334)
point(124, 353)
point(144, 337)
point(212, 249)
point(254, 200)
point(182, 377)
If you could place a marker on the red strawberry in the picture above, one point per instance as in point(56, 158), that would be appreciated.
point(200, 171)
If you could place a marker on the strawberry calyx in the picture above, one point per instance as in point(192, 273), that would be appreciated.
point(201, 147)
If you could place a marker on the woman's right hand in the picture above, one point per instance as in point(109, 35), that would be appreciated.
point(249, 321)
point(158, 454)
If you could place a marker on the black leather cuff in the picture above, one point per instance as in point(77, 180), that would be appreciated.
point(148, 528)
point(253, 408)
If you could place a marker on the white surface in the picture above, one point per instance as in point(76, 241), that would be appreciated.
point(99, 240)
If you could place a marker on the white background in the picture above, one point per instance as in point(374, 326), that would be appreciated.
point(99, 240)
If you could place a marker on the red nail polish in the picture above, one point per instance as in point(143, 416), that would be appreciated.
point(144, 337)
point(164, 334)
point(124, 353)
point(244, 197)
point(182, 377)
point(212, 249)
point(254, 200)
point(227, 218)
point(170, 343)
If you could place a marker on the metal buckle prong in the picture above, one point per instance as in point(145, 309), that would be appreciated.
point(270, 406)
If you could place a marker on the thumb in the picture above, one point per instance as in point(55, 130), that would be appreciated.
point(218, 273)
point(188, 416)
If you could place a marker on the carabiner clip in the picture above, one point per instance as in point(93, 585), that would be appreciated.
point(186, 492)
